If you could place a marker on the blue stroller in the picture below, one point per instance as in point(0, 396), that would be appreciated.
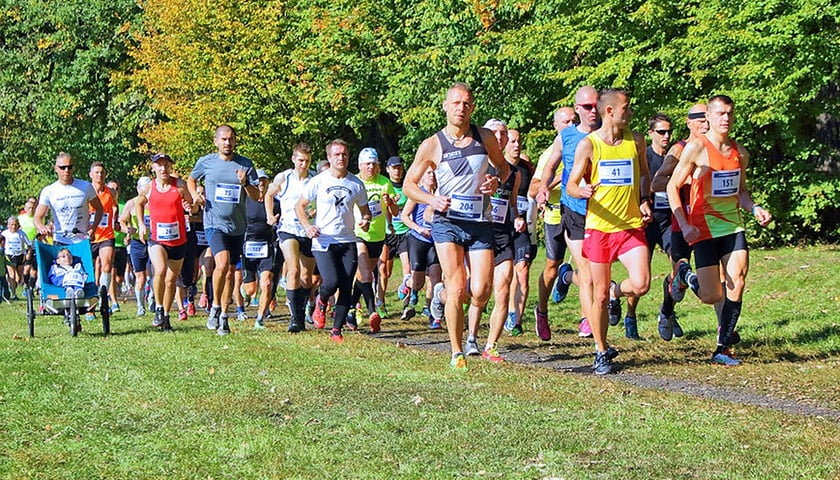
point(54, 297)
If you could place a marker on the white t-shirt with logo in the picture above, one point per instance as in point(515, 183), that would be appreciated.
point(334, 200)
point(70, 208)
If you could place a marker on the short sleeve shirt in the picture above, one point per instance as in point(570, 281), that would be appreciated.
point(335, 199)
point(225, 207)
point(376, 189)
point(69, 206)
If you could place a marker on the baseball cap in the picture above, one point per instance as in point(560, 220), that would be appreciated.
point(160, 156)
point(143, 181)
point(261, 173)
point(393, 161)
point(368, 155)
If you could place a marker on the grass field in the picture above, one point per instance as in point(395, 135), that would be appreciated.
point(143, 404)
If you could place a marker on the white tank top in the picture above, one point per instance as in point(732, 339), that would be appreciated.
point(293, 188)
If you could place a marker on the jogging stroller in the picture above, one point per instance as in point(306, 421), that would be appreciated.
point(55, 299)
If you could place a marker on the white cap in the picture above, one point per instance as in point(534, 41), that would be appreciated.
point(368, 155)
point(143, 181)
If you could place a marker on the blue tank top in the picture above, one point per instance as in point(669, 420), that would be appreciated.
point(460, 173)
point(570, 137)
point(417, 216)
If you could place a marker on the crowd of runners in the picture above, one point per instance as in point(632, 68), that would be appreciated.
point(463, 221)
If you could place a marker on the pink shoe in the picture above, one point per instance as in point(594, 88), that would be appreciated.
point(584, 330)
point(202, 301)
point(543, 329)
point(182, 315)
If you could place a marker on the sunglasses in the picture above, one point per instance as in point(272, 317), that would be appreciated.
point(663, 132)
point(588, 106)
point(65, 167)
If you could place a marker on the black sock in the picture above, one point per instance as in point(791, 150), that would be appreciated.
point(729, 315)
point(367, 292)
point(292, 296)
point(667, 301)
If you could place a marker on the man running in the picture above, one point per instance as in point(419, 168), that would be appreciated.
point(460, 154)
point(611, 171)
point(102, 244)
point(287, 189)
point(569, 231)
point(168, 198)
point(396, 244)
point(226, 174)
point(713, 225)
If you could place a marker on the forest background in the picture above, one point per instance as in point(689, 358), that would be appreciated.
point(113, 80)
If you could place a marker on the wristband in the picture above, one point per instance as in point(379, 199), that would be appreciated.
point(754, 207)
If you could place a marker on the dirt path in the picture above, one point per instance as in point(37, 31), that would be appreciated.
point(521, 354)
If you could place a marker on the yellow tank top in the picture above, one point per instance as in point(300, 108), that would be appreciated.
point(551, 215)
point(615, 205)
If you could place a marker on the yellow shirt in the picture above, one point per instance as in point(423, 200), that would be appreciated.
point(551, 216)
point(614, 207)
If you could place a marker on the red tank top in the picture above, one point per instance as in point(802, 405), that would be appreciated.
point(167, 216)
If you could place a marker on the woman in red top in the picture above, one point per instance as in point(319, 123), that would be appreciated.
point(168, 199)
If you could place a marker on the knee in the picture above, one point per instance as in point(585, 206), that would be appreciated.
point(640, 288)
point(601, 296)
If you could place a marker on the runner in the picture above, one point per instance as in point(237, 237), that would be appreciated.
point(396, 244)
point(167, 198)
point(102, 243)
point(335, 192)
point(258, 251)
point(120, 251)
point(370, 240)
point(569, 230)
point(69, 200)
point(27, 224)
point(460, 154)
point(611, 171)
point(697, 124)
point(138, 252)
point(17, 244)
point(421, 250)
point(294, 244)
point(658, 231)
point(226, 174)
point(713, 225)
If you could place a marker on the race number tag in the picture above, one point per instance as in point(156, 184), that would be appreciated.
point(73, 278)
point(375, 208)
point(187, 225)
point(147, 220)
point(660, 201)
point(227, 192)
point(256, 249)
point(465, 207)
point(521, 205)
point(200, 238)
point(725, 183)
point(168, 231)
point(499, 211)
point(616, 173)
point(103, 222)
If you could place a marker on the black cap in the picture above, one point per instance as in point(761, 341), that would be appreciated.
point(393, 161)
point(160, 156)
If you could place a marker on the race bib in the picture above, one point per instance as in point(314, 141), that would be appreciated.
point(74, 279)
point(103, 222)
point(168, 231)
point(147, 220)
point(200, 238)
point(256, 249)
point(498, 214)
point(521, 205)
point(725, 183)
point(660, 201)
point(227, 192)
point(375, 208)
point(465, 207)
point(616, 173)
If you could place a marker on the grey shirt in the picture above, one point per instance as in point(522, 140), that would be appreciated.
point(225, 208)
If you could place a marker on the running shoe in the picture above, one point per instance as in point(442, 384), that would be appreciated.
point(561, 288)
point(224, 326)
point(182, 315)
point(310, 308)
point(408, 313)
point(613, 307)
point(335, 335)
point(190, 309)
point(631, 329)
point(517, 331)
point(255, 302)
point(584, 330)
point(427, 312)
point(158, 320)
point(375, 321)
point(437, 305)
point(403, 289)
point(542, 328)
point(213, 318)
point(675, 326)
point(491, 354)
point(165, 326)
point(458, 362)
point(678, 284)
point(412, 298)
point(603, 363)
point(666, 326)
point(295, 327)
point(202, 300)
point(726, 359)
point(510, 322)
point(319, 315)
point(141, 311)
point(435, 325)
point(382, 310)
point(472, 347)
point(258, 324)
point(115, 307)
point(350, 320)
point(89, 316)
point(241, 316)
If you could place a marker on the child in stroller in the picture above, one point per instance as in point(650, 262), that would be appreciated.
point(68, 272)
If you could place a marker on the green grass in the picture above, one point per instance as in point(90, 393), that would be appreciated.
point(142, 404)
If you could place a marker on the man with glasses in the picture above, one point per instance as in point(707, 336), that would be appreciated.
point(70, 200)
point(657, 232)
point(570, 231)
